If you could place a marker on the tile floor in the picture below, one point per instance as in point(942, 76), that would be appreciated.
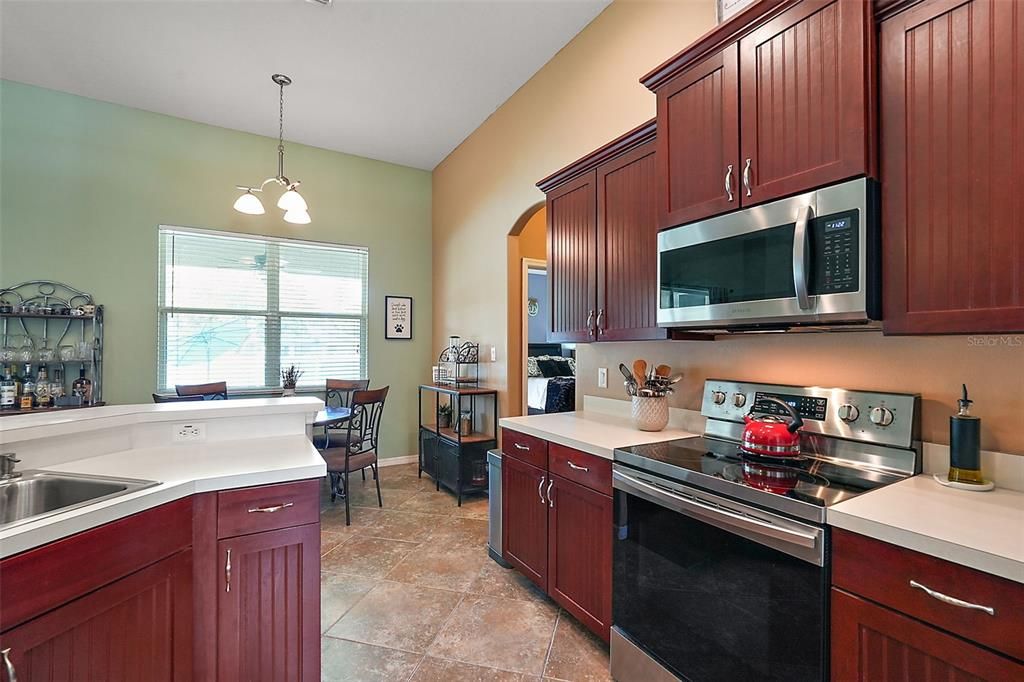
point(409, 593)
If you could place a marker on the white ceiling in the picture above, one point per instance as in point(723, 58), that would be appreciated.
point(398, 80)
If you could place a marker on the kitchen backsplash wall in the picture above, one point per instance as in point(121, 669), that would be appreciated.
point(991, 366)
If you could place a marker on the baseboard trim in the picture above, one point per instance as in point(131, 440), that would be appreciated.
point(394, 461)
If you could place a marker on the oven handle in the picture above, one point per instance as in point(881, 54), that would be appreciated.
point(800, 248)
point(716, 516)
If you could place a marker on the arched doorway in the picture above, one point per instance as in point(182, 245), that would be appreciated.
point(527, 247)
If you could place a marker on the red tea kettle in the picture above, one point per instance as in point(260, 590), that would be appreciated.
point(771, 435)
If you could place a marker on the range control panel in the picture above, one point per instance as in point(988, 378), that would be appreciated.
point(882, 418)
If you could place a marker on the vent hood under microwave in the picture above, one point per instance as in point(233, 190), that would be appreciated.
point(809, 260)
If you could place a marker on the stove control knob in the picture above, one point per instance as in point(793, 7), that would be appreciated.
point(718, 397)
point(739, 400)
point(881, 416)
point(848, 413)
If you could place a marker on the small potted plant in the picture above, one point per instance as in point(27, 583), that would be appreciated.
point(289, 379)
point(444, 416)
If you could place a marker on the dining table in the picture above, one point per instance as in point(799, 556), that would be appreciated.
point(331, 416)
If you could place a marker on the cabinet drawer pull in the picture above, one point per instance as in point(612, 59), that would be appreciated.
point(577, 467)
point(227, 573)
point(728, 182)
point(952, 601)
point(540, 489)
point(551, 500)
point(12, 674)
point(520, 446)
point(746, 177)
point(271, 509)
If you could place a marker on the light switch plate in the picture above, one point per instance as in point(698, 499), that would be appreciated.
point(494, 353)
point(602, 377)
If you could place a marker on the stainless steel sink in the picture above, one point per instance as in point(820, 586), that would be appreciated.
point(36, 494)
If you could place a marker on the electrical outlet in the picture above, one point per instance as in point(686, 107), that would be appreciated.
point(494, 353)
point(193, 432)
point(602, 377)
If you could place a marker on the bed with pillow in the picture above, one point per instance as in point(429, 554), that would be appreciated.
point(551, 379)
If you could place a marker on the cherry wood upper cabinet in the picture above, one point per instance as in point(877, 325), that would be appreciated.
point(952, 153)
point(572, 259)
point(524, 513)
point(136, 628)
point(782, 92)
point(627, 246)
point(805, 103)
point(269, 605)
point(698, 141)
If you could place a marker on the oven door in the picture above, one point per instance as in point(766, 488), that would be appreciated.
point(712, 589)
point(808, 259)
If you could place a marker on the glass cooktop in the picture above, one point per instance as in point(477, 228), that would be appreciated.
point(803, 483)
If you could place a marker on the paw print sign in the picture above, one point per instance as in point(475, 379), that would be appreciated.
point(398, 317)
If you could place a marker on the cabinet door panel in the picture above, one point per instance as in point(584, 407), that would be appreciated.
point(524, 519)
point(627, 247)
point(137, 628)
point(871, 643)
point(952, 81)
point(580, 554)
point(572, 259)
point(806, 112)
point(698, 140)
point(269, 605)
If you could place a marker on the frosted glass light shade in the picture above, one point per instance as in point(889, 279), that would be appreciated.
point(249, 203)
point(292, 201)
point(297, 217)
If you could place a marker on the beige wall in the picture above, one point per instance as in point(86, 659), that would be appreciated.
point(586, 95)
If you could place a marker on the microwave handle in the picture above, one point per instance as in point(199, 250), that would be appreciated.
point(800, 248)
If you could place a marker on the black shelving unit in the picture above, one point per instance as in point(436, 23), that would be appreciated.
point(455, 456)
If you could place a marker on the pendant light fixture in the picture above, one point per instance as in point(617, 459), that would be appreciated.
point(291, 202)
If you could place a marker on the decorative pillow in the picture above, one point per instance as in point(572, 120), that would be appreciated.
point(554, 367)
point(532, 370)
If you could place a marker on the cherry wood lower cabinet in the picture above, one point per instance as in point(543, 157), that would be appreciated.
point(269, 607)
point(558, 532)
point(137, 628)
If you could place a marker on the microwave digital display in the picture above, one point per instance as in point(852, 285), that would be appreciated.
point(836, 225)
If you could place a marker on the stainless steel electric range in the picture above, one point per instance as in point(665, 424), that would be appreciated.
point(721, 559)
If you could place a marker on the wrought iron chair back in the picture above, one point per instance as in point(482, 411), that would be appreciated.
point(339, 391)
point(215, 390)
point(363, 426)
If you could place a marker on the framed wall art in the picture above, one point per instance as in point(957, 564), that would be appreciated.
point(398, 317)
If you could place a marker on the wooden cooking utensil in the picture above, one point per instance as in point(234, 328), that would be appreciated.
point(640, 372)
point(662, 371)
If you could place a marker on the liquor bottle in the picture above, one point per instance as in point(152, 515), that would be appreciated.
point(82, 387)
point(57, 385)
point(43, 388)
point(8, 391)
point(28, 389)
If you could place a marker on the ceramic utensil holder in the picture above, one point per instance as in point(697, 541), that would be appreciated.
point(650, 413)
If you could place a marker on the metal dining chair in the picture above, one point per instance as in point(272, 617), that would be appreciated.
point(215, 390)
point(359, 449)
point(157, 398)
point(338, 393)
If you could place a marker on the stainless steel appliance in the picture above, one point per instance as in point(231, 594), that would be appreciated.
point(811, 259)
point(494, 507)
point(720, 559)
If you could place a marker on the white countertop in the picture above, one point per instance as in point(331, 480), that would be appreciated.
point(182, 470)
point(984, 531)
point(594, 432)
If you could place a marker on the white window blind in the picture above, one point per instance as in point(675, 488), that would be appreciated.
point(238, 308)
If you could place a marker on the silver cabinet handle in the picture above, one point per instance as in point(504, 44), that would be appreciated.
point(551, 500)
point(271, 509)
point(952, 601)
point(746, 177)
point(577, 467)
point(600, 316)
point(800, 246)
point(540, 489)
point(12, 674)
point(227, 573)
point(728, 182)
point(520, 446)
point(590, 323)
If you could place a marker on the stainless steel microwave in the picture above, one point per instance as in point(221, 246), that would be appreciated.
point(811, 259)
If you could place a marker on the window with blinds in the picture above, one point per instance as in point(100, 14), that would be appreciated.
point(239, 308)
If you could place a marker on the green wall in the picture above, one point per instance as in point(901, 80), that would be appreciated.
point(84, 185)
